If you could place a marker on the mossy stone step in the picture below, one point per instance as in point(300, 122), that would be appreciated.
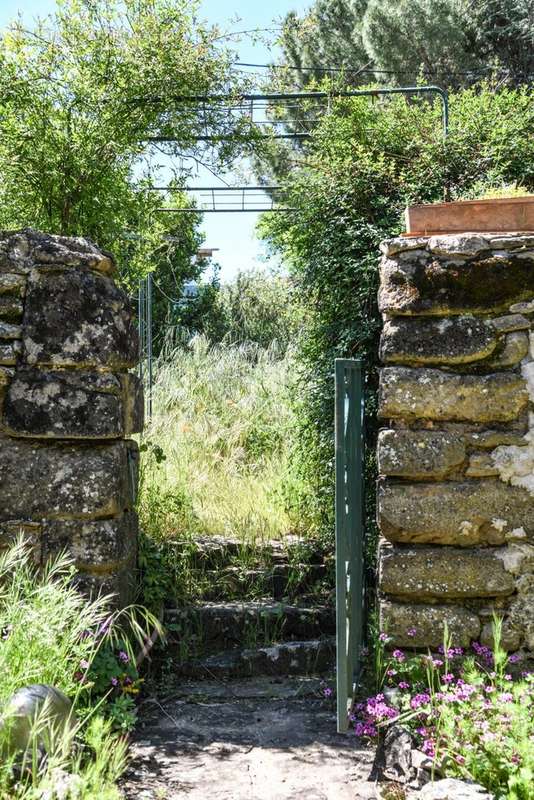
point(314, 657)
point(213, 627)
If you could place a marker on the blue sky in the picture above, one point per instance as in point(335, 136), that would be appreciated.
point(233, 234)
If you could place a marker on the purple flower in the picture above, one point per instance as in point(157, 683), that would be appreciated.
point(391, 672)
point(428, 748)
point(411, 632)
point(383, 637)
point(421, 699)
point(114, 682)
point(437, 662)
point(460, 760)
point(448, 678)
point(124, 657)
point(404, 685)
point(515, 658)
point(506, 697)
point(84, 664)
point(399, 655)
point(327, 692)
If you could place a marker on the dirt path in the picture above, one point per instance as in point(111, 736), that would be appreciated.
point(246, 740)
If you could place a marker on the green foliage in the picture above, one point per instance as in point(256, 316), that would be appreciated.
point(366, 163)
point(253, 308)
point(80, 94)
point(222, 422)
point(52, 635)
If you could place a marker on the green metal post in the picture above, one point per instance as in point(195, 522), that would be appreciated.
point(349, 531)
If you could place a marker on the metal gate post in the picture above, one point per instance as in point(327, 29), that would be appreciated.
point(349, 407)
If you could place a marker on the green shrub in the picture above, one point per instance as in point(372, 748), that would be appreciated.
point(366, 162)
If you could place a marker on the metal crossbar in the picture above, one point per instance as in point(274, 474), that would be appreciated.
point(349, 444)
point(230, 199)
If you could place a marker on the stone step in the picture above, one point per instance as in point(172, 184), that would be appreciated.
point(313, 657)
point(277, 581)
point(213, 552)
point(213, 627)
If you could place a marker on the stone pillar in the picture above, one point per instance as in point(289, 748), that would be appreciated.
point(456, 458)
point(68, 472)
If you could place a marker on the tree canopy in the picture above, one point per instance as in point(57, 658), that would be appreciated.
point(453, 42)
point(81, 92)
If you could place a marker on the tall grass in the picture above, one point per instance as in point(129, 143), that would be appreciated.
point(50, 634)
point(216, 451)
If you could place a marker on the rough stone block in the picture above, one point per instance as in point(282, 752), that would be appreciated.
point(481, 465)
point(514, 349)
point(430, 394)
point(419, 454)
point(442, 284)
point(134, 403)
point(119, 586)
point(21, 250)
point(455, 340)
point(10, 332)
point(455, 513)
point(9, 352)
point(66, 405)
point(99, 545)
point(5, 377)
point(11, 308)
point(429, 622)
point(63, 481)
point(78, 319)
point(423, 573)
point(12, 284)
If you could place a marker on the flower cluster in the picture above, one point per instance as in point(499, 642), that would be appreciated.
point(465, 709)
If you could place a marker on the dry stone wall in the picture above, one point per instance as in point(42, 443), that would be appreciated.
point(456, 454)
point(68, 403)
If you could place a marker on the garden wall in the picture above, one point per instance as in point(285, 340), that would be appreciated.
point(68, 472)
point(456, 458)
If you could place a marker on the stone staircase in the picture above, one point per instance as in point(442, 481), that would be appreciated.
point(262, 610)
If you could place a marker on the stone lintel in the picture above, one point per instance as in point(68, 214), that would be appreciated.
point(415, 394)
point(461, 513)
point(422, 573)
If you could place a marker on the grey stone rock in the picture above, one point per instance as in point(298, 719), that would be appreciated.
point(21, 250)
point(458, 244)
point(454, 789)
point(398, 754)
point(402, 244)
point(420, 454)
point(9, 353)
point(103, 545)
point(415, 394)
point(63, 481)
point(65, 405)
point(79, 319)
point(453, 513)
point(10, 332)
point(40, 702)
point(417, 625)
point(487, 440)
point(510, 322)
point(437, 285)
point(434, 572)
point(511, 241)
point(454, 340)
point(11, 308)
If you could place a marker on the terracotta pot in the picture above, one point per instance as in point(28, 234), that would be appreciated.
point(491, 216)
